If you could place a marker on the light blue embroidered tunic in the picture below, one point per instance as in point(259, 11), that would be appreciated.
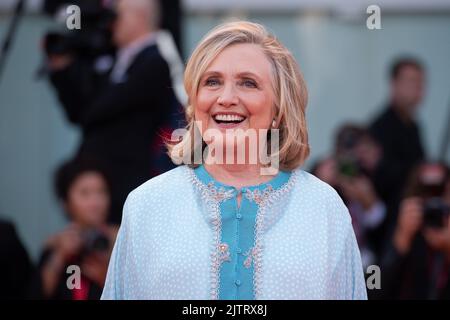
point(180, 238)
point(238, 232)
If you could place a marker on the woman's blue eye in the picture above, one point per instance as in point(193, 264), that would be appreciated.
point(249, 83)
point(211, 82)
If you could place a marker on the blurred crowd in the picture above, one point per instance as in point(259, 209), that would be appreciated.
point(118, 80)
point(398, 198)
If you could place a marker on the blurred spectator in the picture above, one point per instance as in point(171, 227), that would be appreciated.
point(123, 112)
point(350, 172)
point(15, 265)
point(357, 155)
point(83, 187)
point(417, 262)
point(398, 133)
point(325, 170)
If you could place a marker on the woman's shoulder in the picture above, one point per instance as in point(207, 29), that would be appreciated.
point(166, 183)
point(309, 182)
point(160, 196)
point(319, 196)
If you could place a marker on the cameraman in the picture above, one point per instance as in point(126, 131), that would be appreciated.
point(82, 186)
point(122, 112)
point(416, 264)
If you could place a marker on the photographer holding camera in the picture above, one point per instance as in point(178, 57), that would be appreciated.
point(416, 264)
point(350, 172)
point(82, 186)
point(123, 110)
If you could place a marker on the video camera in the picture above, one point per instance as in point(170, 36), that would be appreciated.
point(435, 210)
point(348, 164)
point(92, 40)
point(431, 188)
point(94, 241)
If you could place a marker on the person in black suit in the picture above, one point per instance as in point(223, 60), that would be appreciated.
point(15, 265)
point(398, 134)
point(125, 112)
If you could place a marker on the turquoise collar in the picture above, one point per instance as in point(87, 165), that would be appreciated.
point(276, 182)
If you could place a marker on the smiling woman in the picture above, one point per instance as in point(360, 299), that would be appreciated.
point(239, 70)
point(236, 92)
point(233, 97)
point(224, 230)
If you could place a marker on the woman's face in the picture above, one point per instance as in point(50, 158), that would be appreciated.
point(88, 200)
point(236, 92)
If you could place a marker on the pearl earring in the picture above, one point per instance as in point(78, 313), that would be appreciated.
point(274, 124)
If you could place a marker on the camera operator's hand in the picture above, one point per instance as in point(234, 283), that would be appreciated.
point(68, 243)
point(58, 62)
point(326, 171)
point(409, 222)
point(110, 231)
point(64, 246)
point(95, 266)
point(359, 189)
point(369, 155)
point(439, 239)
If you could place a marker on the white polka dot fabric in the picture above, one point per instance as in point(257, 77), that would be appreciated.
point(166, 244)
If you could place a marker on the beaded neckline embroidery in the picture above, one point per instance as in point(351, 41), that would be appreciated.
point(212, 197)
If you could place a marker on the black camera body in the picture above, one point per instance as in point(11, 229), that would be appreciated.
point(349, 166)
point(435, 210)
point(94, 241)
point(92, 40)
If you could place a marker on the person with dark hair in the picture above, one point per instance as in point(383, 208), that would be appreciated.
point(398, 133)
point(15, 265)
point(401, 63)
point(416, 264)
point(82, 185)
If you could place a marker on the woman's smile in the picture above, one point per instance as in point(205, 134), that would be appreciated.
point(229, 120)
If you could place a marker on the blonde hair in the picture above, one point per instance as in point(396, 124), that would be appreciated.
point(290, 92)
